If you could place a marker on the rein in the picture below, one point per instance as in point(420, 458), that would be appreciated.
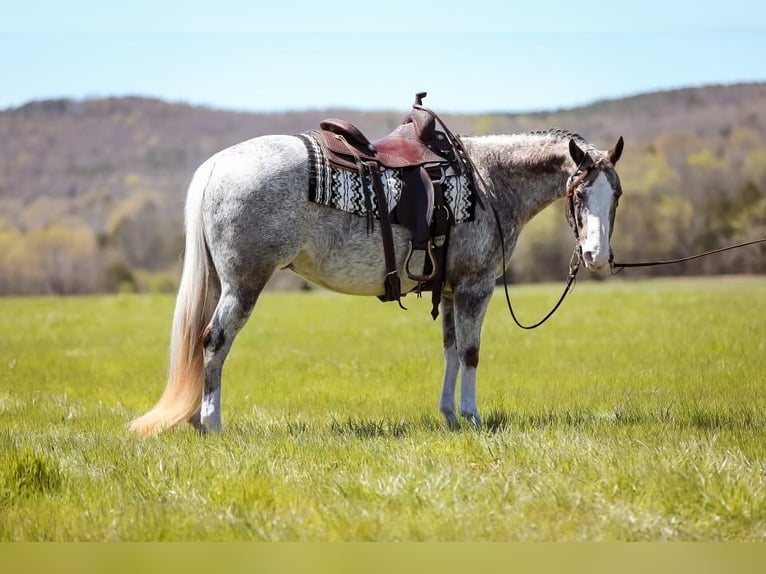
point(574, 262)
point(574, 267)
point(487, 195)
point(620, 266)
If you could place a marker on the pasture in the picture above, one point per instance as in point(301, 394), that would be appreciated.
point(637, 413)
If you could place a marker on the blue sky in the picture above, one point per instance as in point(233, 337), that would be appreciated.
point(477, 56)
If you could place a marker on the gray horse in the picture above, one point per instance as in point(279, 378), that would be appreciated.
point(247, 215)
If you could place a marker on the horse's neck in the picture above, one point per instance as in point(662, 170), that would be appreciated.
point(527, 171)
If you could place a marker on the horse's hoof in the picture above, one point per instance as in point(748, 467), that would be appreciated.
point(196, 423)
point(451, 420)
point(210, 428)
point(197, 426)
point(207, 427)
point(473, 418)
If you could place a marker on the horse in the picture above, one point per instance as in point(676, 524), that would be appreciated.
point(247, 215)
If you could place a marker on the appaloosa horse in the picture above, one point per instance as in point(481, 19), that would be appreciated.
point(247, 215)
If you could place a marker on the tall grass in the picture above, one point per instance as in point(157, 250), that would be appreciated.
point(637, 413)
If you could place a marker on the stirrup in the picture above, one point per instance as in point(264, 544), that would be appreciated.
point(430, 252)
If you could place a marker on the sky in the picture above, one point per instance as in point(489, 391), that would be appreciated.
point(471, 56)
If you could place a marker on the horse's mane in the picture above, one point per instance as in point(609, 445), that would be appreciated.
point(557, 133)
point(561, 133)
point(541, 157)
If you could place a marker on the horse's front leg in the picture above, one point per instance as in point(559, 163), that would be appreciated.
point(471, 300)
point(452, 364)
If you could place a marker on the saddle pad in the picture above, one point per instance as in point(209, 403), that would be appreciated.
point(342, 189)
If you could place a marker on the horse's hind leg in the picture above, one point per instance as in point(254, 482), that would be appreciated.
point(230, 315)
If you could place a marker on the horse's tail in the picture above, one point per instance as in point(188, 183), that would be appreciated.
point(183, 392)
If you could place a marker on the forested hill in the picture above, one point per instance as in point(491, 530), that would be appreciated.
point(91, 192)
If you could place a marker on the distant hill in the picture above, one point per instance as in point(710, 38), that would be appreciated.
point(103, 163)
point(65, 147)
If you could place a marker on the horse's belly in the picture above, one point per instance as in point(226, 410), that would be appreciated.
point(340, 284)
point(340, 271)
point(341, 255)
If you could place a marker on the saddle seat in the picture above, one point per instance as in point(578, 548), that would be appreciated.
point(404, 147)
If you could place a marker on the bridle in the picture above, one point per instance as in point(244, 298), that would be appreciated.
point(573, 200)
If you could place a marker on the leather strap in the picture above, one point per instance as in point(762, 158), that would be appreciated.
point(392, 283)
point(440, 233)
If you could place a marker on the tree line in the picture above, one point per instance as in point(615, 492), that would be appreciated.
point(682, 194)
point(137, 250)
point(91, 193)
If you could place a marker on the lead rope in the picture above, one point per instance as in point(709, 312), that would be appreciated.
point(621, 266)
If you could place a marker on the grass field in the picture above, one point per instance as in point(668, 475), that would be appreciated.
point(637, 413)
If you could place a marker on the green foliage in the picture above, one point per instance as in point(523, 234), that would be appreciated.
point(44, 212)
point(637, 413)
point(163, 283)
point(140, 232)
point(705, 159)
point(59, 259)
point(159, 282)
point(544, 245)
point(26, 473)
point(659, 177)
point(120, 277)
point(67, 256)
point(754, 168)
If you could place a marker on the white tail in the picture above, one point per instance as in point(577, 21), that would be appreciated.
point(183, 393)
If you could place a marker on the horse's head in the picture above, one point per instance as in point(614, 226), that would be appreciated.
point(593, 192)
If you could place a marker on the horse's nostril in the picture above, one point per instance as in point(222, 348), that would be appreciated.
point(588, 257)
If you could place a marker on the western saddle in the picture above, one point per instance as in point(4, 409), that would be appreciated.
point(424, 157)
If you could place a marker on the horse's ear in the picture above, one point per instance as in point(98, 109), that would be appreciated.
point(578, 154)
point(616, 151)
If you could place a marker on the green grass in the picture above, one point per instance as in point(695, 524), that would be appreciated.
point(637, 413)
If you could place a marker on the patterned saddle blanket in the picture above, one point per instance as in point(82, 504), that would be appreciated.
point(342, 189)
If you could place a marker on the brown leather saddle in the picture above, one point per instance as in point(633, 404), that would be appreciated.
point(424, 157)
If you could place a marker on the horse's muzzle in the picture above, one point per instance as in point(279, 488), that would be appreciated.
point(595, 261)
